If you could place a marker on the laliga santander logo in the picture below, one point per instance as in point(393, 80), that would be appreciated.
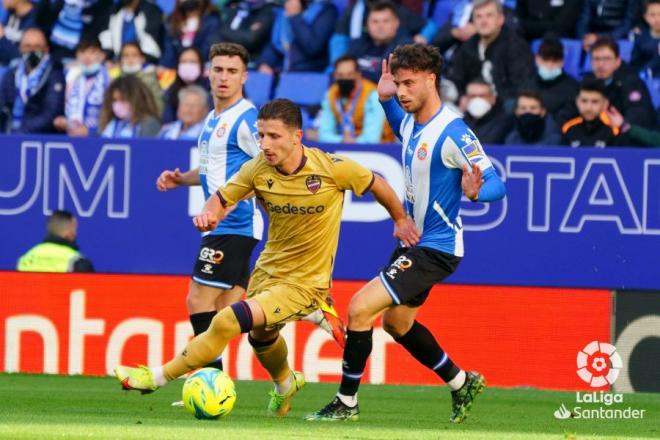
point(598, 364)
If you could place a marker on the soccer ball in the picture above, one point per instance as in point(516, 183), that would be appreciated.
point(209, 393)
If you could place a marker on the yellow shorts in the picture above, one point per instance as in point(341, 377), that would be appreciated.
point(282, 301)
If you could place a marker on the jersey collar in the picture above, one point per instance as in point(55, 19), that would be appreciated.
point(216, 116)
point(303, 161)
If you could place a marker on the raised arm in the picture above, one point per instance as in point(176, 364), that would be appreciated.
point(386, 91)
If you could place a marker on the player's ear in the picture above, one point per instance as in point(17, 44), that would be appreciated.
point(298, 135)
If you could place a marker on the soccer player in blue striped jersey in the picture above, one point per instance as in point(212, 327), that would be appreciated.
point(442, 160)
point(228, 139)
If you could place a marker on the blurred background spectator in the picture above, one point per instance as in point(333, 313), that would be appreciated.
point(299, 38)
point(189, 71)
point(614, 17)
point(32, 93)
point(484, 114)
point(350, 111)
point(133, 62)
point(192, 110)
point(457, 29)
point(646, 51)
point(135, 21)
point(129, 110)
point(533, 126)
point(635, 134)
point(192, 24)
point(21, 14)
point(541, 18)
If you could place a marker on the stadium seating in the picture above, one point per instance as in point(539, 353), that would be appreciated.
point(258, 87)
point(303, 88)
point(572, 55)
point(653, 85)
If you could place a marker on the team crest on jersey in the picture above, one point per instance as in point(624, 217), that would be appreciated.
point(422, 152)
point(472, 149)
point(313, 183)
point(220, 132)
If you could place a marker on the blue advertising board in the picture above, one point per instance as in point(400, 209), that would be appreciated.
point(572, 217)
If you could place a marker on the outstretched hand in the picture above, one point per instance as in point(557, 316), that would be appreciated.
point(386, 85)
point(206, 221)
point(471, 182)
point(169, 180)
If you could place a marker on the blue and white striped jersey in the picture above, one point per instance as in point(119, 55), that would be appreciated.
point(226, 142)
point(433, 156)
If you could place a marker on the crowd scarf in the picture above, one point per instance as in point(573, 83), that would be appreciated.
point(85, 98)
point(282, 35)
point(357, 20)
point(118, 128)
point(174, 130)
point(347, 112)
point(27, 85)
point(128, 31)
point(244, 9)
point(69, 24)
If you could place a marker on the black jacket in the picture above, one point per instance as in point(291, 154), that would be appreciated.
point(493, 127)
point(614, 17)
point(580, 133)
point(370, 56)
point(538, 18)
point(558, 96)
point(628, 93)
point(511, 59)
point(252, 31)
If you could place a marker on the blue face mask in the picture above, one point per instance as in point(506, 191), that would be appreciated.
point(549, 74)
point(91, 69)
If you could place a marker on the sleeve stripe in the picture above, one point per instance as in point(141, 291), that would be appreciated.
point(371, 183)
point(222, 200)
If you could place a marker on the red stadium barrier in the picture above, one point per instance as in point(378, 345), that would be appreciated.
point(86, 324)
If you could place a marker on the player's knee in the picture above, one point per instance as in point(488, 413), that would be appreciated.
point(395, 327)
point(358, 314)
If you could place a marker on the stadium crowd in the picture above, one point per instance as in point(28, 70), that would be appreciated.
point(534, 72)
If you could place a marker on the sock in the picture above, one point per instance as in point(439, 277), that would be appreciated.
point(421, 344)
point(159, 377)
point(200, 322)
point(349, 401)
point(207, 346)
point(272, 355)
point(356, 353)
point(457, 382)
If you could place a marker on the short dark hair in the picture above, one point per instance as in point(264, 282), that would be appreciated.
point(649, 3)
point(89, 43)
point(531, 94)
point(418, 58)
point(229, 50)
point(479, 81)
point(593, 85)
point(606, 41)
point(283, 110)
point(131, 44)
point(551, 49)
point(58, 222)
point(382, 5)
point(347, 57)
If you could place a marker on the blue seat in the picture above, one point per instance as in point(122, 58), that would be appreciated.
point(442, 10)
point(653, 85)
point(166, 5)
point(572, 55)
point(258, 87)
point(303, 88)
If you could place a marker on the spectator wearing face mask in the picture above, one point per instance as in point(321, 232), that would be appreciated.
point(129, 110)
point(189, 71)
point(193, 23)
point(533, 126)
point(135, 21)
point(646, 51)
point(350, 111)
point(85, 87)
point(21, 15)
point(558, 89)
point(32, 93)
point(593, 127)
point(484, 114)
point(133, 62)
point(193, 108)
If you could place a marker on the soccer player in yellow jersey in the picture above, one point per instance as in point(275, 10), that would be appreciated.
point(302, 190)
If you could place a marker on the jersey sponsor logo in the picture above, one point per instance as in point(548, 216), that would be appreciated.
point(422, 152)
point(220, 132)
point(313, 183)
point(401, 264)
point(292, 209)
point(211, 255)
point(270, 183)
point(472, 150)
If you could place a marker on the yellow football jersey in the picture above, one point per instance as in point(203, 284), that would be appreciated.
point(304, 210)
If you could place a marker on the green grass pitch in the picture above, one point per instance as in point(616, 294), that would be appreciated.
point(45, 407)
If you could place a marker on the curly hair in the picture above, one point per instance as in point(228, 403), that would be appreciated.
point(136, 93)
point(418, 58)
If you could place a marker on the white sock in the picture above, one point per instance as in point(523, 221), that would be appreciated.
point(457, 382)
point(284, 386)
point(159, 376)
point(316, 317)
point(349, 401)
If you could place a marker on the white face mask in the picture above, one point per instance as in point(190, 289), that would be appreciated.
point(130, 68)
point(478, 107)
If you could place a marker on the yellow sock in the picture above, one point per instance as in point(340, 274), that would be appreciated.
point(273, 359)
point(206, 346)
